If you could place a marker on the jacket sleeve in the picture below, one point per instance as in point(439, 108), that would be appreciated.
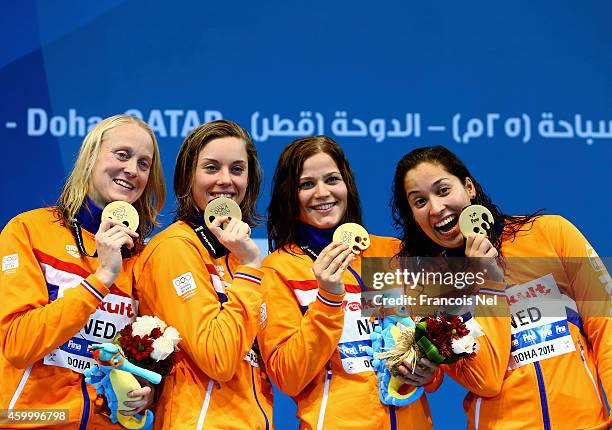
point(591, 287)
point(296, 347)
point(435, 382)
point(483, 374)
point(30, 325)
point(215, 336)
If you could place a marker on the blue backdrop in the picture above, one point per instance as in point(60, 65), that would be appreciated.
point(520, 90)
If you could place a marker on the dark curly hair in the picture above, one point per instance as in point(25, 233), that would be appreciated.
point(414, 241)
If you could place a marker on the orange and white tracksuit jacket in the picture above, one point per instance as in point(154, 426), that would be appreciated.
point(217, 307)
point(304, 345)
point(52, 308)
point(544, 374)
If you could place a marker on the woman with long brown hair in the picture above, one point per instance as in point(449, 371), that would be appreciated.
point(316, 339)
point(205, 282)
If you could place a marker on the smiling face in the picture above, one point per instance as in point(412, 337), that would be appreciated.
point(436, 199)
point(322, 193)
point(122, 167)
point(221, 170)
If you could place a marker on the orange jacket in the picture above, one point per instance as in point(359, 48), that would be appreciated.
point(51, 308)
point(553, 392)
point(301, 350)
point(217, 381)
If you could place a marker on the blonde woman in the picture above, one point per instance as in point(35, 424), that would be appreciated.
point(65, 282)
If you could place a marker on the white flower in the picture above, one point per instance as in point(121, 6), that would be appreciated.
point(474, 328)
point(162, 348)
point(160, 323)
point(143, 326)
point(172, 334)
point(465, 345)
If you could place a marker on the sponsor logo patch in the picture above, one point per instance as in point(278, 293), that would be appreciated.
point(10, 262)
point(263, 315)
point(184, 285)
point(73, 251)
point(220, 270)
point(594, 259)
point(251, 358)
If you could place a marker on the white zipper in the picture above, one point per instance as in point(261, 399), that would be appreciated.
point(24, 379)
point(324, 400)
point(205, 405)
point(477, 413)
point(586, 367)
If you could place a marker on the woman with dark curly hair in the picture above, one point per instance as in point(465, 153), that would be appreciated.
point(537, 366)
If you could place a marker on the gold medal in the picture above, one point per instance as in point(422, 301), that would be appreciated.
point(475, 219)
point(221, 206)
point(353, 235)
point(123, 212)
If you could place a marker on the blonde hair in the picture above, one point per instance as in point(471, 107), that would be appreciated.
point(77, 185)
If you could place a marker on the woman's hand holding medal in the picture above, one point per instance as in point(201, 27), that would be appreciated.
point(117, 229)
point(330, 265)
point(224, 219)
point(475, 221)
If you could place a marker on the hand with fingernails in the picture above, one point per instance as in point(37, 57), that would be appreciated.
point(422, 374)
point(111, 236)
point(482, 255)
point(139, 405)
point(236, 237)
point(330, 265)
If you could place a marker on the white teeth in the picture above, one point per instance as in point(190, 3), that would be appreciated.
point(445, 221)
point(228, 195)
point(323, 207)
point(124, 184)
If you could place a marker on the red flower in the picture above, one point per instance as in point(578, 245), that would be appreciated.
point(126, 331)
point(138, 350)
point(443, 329)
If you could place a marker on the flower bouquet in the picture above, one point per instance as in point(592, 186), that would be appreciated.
point(148, 342)
point(443, 339)
point(144, 349)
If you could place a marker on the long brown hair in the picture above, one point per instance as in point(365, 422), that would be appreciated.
point(284, 208)
point(186, 163)
point(77, 185)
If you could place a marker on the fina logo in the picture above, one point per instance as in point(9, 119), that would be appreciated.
point(74, 345)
